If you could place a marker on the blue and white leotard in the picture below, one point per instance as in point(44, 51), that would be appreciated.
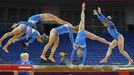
point(34, 19)
point(67, 28)
point(111, 27)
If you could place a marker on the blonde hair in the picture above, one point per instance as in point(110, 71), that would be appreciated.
point(24, 54)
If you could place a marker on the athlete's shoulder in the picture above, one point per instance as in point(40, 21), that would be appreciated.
point(86, 32)
point(69, 24)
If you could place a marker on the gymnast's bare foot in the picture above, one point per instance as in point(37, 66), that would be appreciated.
point(51, 58)
point(43, 57)
point(81, 64)
point(130, 63)
point(103, 61)
point(5, 49)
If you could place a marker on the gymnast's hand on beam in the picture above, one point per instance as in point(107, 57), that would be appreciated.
point(26, 44)
point(75, 46)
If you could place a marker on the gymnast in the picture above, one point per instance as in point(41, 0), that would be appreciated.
point(19, 29)
point(31, 35)
point(118, 38)
point(80, 41)
point(45, 17)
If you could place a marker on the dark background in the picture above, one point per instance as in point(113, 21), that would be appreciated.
point(122, 12)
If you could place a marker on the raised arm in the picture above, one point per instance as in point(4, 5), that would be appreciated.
point(98, 16)
point(71, 36)
point(82, 22)
point(22, 38)
point(102, 16)
point(31, 40)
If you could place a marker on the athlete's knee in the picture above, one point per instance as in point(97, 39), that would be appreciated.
point(49, 44)
point(53, 33)
point(111, 47)
point(113, 44)
point(122, 51)
point(11, 39)
point(56, 45)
